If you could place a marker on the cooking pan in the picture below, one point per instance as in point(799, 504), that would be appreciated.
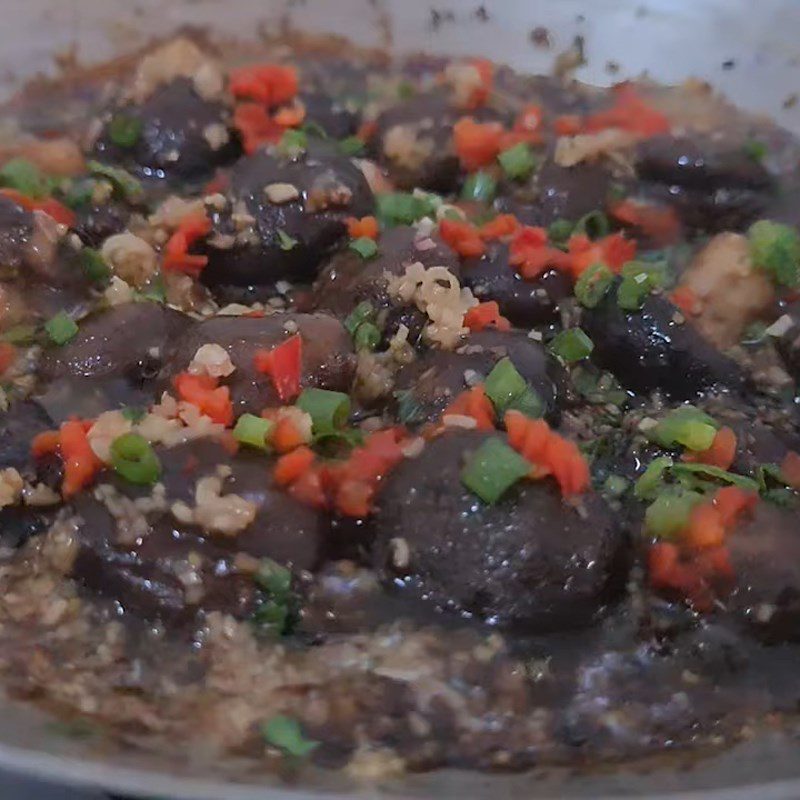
point(749, 51)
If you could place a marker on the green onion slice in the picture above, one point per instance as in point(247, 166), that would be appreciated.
point(508, 390)
point(652, 479)
point(480, 187)
point(123, 182)
point(775, 248)
point(518, 161)
point(25, 177)
point(493, 469)
point(560, 230)
point(367, 336)
point(361, 313)
point(285, 733)
point(687, 426)
point(61, 328)
point(595, 225)
point(351, 146)
point(292, 143)
point(402, 208)
point(273, 578)
point(367, 248)
point(669, 513)
point(572, 345)
point(94, 265)
point(252, 430)
point(708, 473)
point(328, 410)
point(124, 130)
point(134, 459)
point(592, 285)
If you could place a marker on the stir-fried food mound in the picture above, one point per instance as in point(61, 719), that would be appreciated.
point(392, 417)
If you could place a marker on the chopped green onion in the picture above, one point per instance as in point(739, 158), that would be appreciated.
point(292, 143)
point(252, 430)
point(361, 313)
point(599, 388)
point(480, 187)
point(409, 409)
point(273, 578)
point(687, 426)
point(669, 513)
point(367, 337)
point(134, 459)
point(285, 733)
point(632, 291)
point(61, 328)
point(592, 285)
point(286, 242)
point(508, 390)
point(312, 128)
point(572, 345)
point(124, 130)
point(25, 177)
point(656, 270)
point(493, 469)
point(755, 150)
point(123, 182)
point(271, 617)
point(767, 473)
point(21, 334)
point(156, 292)
point(365, 247)
point(351, 146)
point(595, 225)
point(652, 479)
point(707, 472)
point(402, 208)
point(133, 414)
point(560, 230)
point(775, 248)
point(518, 161)
point(94, 265)
point(79, 193)
point(328, 410)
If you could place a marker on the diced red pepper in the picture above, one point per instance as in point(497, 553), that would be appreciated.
point(686, 300)
point(480, 94)
point(80, 462)
point(291, 466)
point(720, 454)
point(366, 227)
point(269, 84)
point(284, 365)
point(790, 467)
point(202, 391)
point(176, 251)
point(485, 314)
point(732, 502)
point(501, 226)
point(660, 223)
point(45, 443)
point(568, 125)
point(476, 143)
point(290, 116)
point(473, 403)
point(462, 237)
point(256, 127)
point(630, 113)
point(58, 211)
point(531, 254)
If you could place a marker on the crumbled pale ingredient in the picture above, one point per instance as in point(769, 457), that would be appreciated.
point(279, 193)
point(212, 359)
point(130, 257)
point(173, 210)
point(216, 134)
point(374, 376)
point(118, 292)
point(412, 448)
point(374, 176)
point(572, 150)
point(180, 58)
point(406, 148)
point(327, 191)
point(464, 79)
point(11, 485)
point(369, 765)
point(301, 420)
point(459, 421)
point(40, 495)
point(108, 426)
point(731, 292)
point(437, 292)
point(214, 512)
point(780, 327)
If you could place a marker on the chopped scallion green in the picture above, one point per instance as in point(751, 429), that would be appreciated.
point(123, 182)
point(709, 473)
point(292, 143)
point(479, 186)
point(367, 248)
point(572, 345)
point(775, 248)
point(402, 208)
point(687, 426)
point(351, 146)
point(592, 285)
point(652, 479)
point(669, 513)
point(518, 161)
point(273, 578)
point(252, 430)
point(328, 410)
point(508, 390)
point(493, 469)
point(25, 177)
point(560, 230)
point(134, 459)
point(124, 130)
point(361, 313)
point(94, 265)
point(367, 336)
point(285, 242)
point(595, 225)
point(285, 733)
point(61, 328)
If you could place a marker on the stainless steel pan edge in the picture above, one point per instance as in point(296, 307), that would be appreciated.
point(669, 39)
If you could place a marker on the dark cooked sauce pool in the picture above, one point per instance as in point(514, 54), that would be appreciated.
point(395, 417)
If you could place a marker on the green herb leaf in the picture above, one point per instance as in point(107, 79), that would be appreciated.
point(572, 345)
point(592, 285)
point(651, 481)
point(285, 733)
point(312, 128)
point(61, 328)
point(94, 265)
point(479, 187)
point(367, 248)
point(274, 578)
point(124, 130)
point(292, 143)
point(595, 225)
point(402, 208)
point(493, 469)
point(755, 150)
point(286, 242)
